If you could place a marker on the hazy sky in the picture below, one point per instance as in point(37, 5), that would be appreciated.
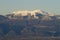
point(8, 6)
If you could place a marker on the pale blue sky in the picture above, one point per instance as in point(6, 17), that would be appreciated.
point(8, 6)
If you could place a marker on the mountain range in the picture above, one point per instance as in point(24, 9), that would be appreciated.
point(36, 23)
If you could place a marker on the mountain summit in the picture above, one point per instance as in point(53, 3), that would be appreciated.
point(25, 12)
point(31, 13)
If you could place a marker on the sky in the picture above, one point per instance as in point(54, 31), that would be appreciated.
point(8, 6)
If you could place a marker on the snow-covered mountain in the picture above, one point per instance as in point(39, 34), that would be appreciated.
point(25, 12)
point(31, 14)
point(11, 27)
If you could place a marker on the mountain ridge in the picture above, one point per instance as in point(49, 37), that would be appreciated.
point(33, 12)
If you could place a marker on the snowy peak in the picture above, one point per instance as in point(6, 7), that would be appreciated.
point(36, 14)
point(29, 13)
point(39, 11)
point(25, 12)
